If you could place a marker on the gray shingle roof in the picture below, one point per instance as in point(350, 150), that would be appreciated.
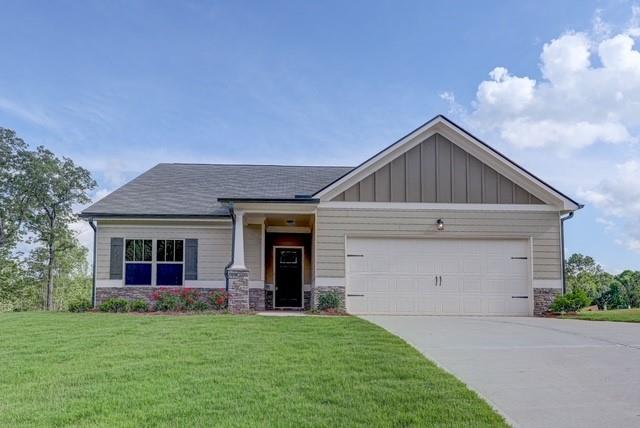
point(193, 189)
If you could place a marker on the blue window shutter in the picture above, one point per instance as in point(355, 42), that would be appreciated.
point(191, 259)
point(115, 260)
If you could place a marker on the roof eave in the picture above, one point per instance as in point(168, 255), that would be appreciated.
point(85, 215)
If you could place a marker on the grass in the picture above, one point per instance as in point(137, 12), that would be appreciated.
point(92, 369)
point(622, 315)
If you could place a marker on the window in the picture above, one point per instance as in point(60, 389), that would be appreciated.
point(138, 258)
point(169, 261)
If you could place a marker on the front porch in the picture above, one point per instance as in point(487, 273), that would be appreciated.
point(273, 264)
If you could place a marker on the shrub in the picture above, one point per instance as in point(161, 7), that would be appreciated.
point(80, 305)
point(139, 306)
point(167, 300)
point(571, 302)
point(114, 305)
point(200, 305)
point(218, 299)
point(189, 299)
point(330, 300)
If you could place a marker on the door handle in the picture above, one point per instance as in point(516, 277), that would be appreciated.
point(436, 278)
point(440, 280)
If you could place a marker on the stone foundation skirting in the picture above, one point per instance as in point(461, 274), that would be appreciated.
point(141, 293)
point(257, 299)
point(542, 299)
point(318, 291)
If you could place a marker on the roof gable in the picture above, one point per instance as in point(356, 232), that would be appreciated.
point(437, 170)
point(517, 180)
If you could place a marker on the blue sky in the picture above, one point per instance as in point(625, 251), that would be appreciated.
point(121, 86)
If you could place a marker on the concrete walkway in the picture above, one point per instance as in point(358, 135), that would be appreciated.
point(537, 372)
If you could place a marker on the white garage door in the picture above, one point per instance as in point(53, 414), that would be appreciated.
point(438, 276)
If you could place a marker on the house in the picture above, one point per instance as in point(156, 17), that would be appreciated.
point(437, 223)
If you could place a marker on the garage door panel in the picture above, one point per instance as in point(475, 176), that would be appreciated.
point(472, 305)
point(398, 276)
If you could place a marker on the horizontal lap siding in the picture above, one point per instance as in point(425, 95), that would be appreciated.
point(334, 223)
point(253, 250)
point(214, 245)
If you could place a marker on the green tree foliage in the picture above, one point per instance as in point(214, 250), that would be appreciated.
point(584, 274)
point(14, 194)
point(70, 272)
point(56, 185)
point(38, 192)
point(608, 291)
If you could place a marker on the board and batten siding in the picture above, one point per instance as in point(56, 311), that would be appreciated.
point(437, 170)
point(333, 224)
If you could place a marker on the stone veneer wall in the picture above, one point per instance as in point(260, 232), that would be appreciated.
point(317, 291)
point(257, 299)
point(307, 300)
point(140, 293)
point(542, 299)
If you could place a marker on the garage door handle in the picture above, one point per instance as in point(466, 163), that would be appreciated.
point(355, 255)
point(355, 295)
point(519, 297)
point(519, 258)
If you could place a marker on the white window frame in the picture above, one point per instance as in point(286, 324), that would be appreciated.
point(157, 262)
point(125, 261)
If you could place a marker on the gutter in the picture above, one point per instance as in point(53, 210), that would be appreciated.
point(93, 279)
point(233, 245)
point(564, 274)
point(297, 200)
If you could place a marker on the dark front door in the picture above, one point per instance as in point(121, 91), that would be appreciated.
point(288, 277)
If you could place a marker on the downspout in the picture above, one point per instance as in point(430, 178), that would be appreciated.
point(564, 274)
point(93, 282)
point(233, 244)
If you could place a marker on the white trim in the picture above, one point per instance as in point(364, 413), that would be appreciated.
point(192, 283)
point(152, 262)
point(330, 282)
point(547, 283)
point(164, 226)
point(262, 252)
point(109, 283)
point(275, 270)
point(238, 242)
point(156, 219)
point(275, 207)
point(156, 262)
point(436, 206)
point(288, 229)
point(256, 284)
point(464, 141)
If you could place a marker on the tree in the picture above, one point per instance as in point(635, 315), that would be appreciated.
point(70, 272)
point(584, 274)
point(55, 186)
point(14, 195)
point(630, 282)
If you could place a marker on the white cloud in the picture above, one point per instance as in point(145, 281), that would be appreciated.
point(589, 93)
point(586, 94)
point(563, 58)
point(619, 196)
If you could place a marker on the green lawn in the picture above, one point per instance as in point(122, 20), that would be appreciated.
point(625, 315)
point(62, 369)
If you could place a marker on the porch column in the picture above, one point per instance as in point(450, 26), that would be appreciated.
point(238, 274)
point(238, 242)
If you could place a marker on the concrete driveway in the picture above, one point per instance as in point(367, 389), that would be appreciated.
point(538, 372)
